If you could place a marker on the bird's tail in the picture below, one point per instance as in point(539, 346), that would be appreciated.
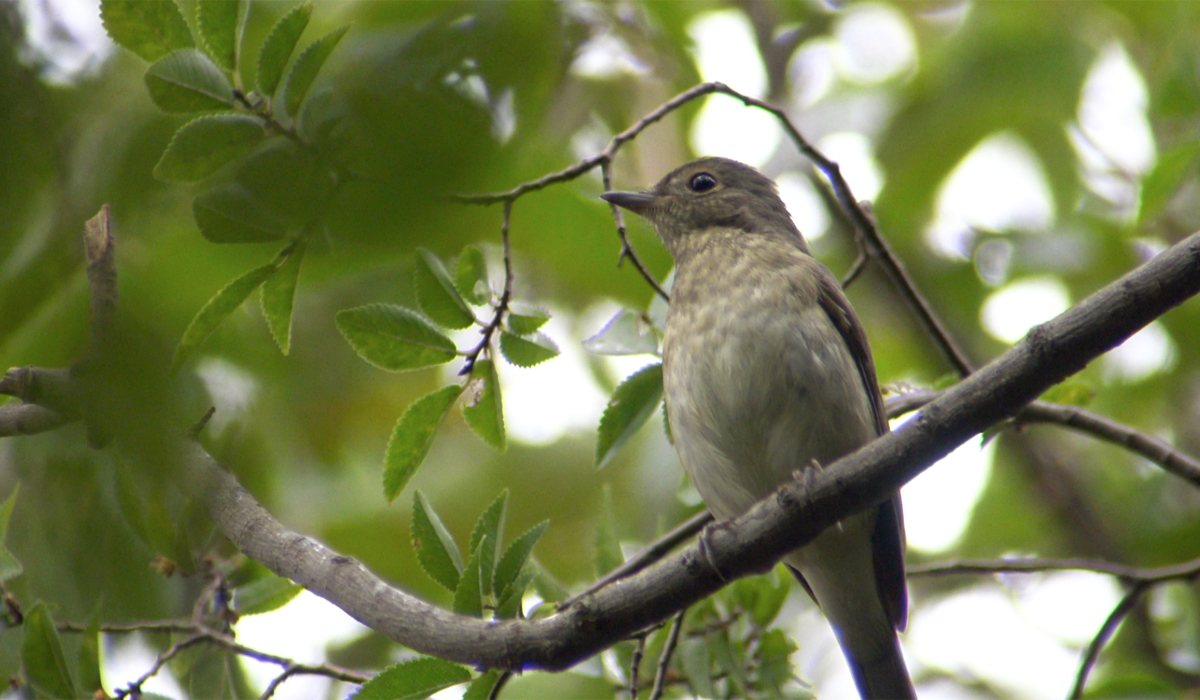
point(884, 676)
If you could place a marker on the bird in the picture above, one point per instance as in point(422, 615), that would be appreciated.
point(767, 372)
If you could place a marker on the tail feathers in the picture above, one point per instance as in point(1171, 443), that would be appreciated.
point(883, 677)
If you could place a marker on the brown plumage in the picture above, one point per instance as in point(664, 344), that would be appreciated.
point(766, 370)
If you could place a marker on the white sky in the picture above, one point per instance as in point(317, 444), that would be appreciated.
point(988, 631)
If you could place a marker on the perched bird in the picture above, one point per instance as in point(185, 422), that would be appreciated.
point(766, 371)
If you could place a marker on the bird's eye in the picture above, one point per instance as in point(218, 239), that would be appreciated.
point(702, 182)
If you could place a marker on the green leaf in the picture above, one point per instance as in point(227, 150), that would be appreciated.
point(412, 437)
point(627, 333)
point(730, 657)
point(265, 594)
point(509, 605)
point(436, 293)
point(307, 65)
point(232, 214)
point(483, 410)
point(470, 276)
point(1070, 393)
point(774, 664)
point(696, 661)
point(413, 680)
point(149, 28)
point(435, 548)
point(279, 45)
point(217, 21)
point(42, 655)
point(393, 337)
point(608, 546)
point(204, 144)
point(89, 657)
point(524, 319)
point(631, 405)
point(9, 566)
point(513, 561)
point(488, 531)
point(217, 310)
point(188, 81)
point(1163, 181)
point(278, 297)
point(527, 350)
point(481, 687)
point(468, 597)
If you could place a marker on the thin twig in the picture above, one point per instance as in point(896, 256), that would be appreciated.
point(1142, 444)
point(472, 355)
point(500, 683)
point(627, 250)
point(664, 660)
point(1092, 654)
point(647, 556)
point(1129, 574)
point(635, 665)
point(135, 688)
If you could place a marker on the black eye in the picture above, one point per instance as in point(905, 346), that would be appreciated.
point(702, 182)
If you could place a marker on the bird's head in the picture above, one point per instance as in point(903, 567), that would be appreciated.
point(707, 194)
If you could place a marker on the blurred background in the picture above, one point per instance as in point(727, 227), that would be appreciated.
point(1018, 157)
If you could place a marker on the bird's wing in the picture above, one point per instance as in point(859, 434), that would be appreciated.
point(887, 540)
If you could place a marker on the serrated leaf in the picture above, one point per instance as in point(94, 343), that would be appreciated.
point(771, 596)
point(509, 605)
point(527, 350)
point(393, 337)
point(436, 293)
point(306, 67)
point(481, 687)
point(488, 531)
point(468, 597)
point(631, 405)
point(232, 214)
point(278, 296)
point(436, 551)
point(9, 566)
point(265, 594)
point(218, 308)
point(608, 546)
point(188, 81)
point(470, 276)
point(1070, 393)
point(627, 333)
point(279, 45)
point(1163, 181)
point(149, 28)
point(42, 656)
point(524, 319)
point(412, 437)
point(513, 560)
point(413, 680)
point(483, 409)
point(203, 145)
point(217, 21)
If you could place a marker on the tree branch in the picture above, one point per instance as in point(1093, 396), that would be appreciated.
point(750, 544)
point(1144, 445)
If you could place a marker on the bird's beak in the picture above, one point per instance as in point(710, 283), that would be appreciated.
point(636, 202)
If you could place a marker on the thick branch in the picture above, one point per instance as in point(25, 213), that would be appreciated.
point(751, 543)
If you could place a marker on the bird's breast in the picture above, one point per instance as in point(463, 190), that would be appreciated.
point(758, 380)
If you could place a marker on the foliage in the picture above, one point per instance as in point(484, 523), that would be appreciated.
point(320, 144)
